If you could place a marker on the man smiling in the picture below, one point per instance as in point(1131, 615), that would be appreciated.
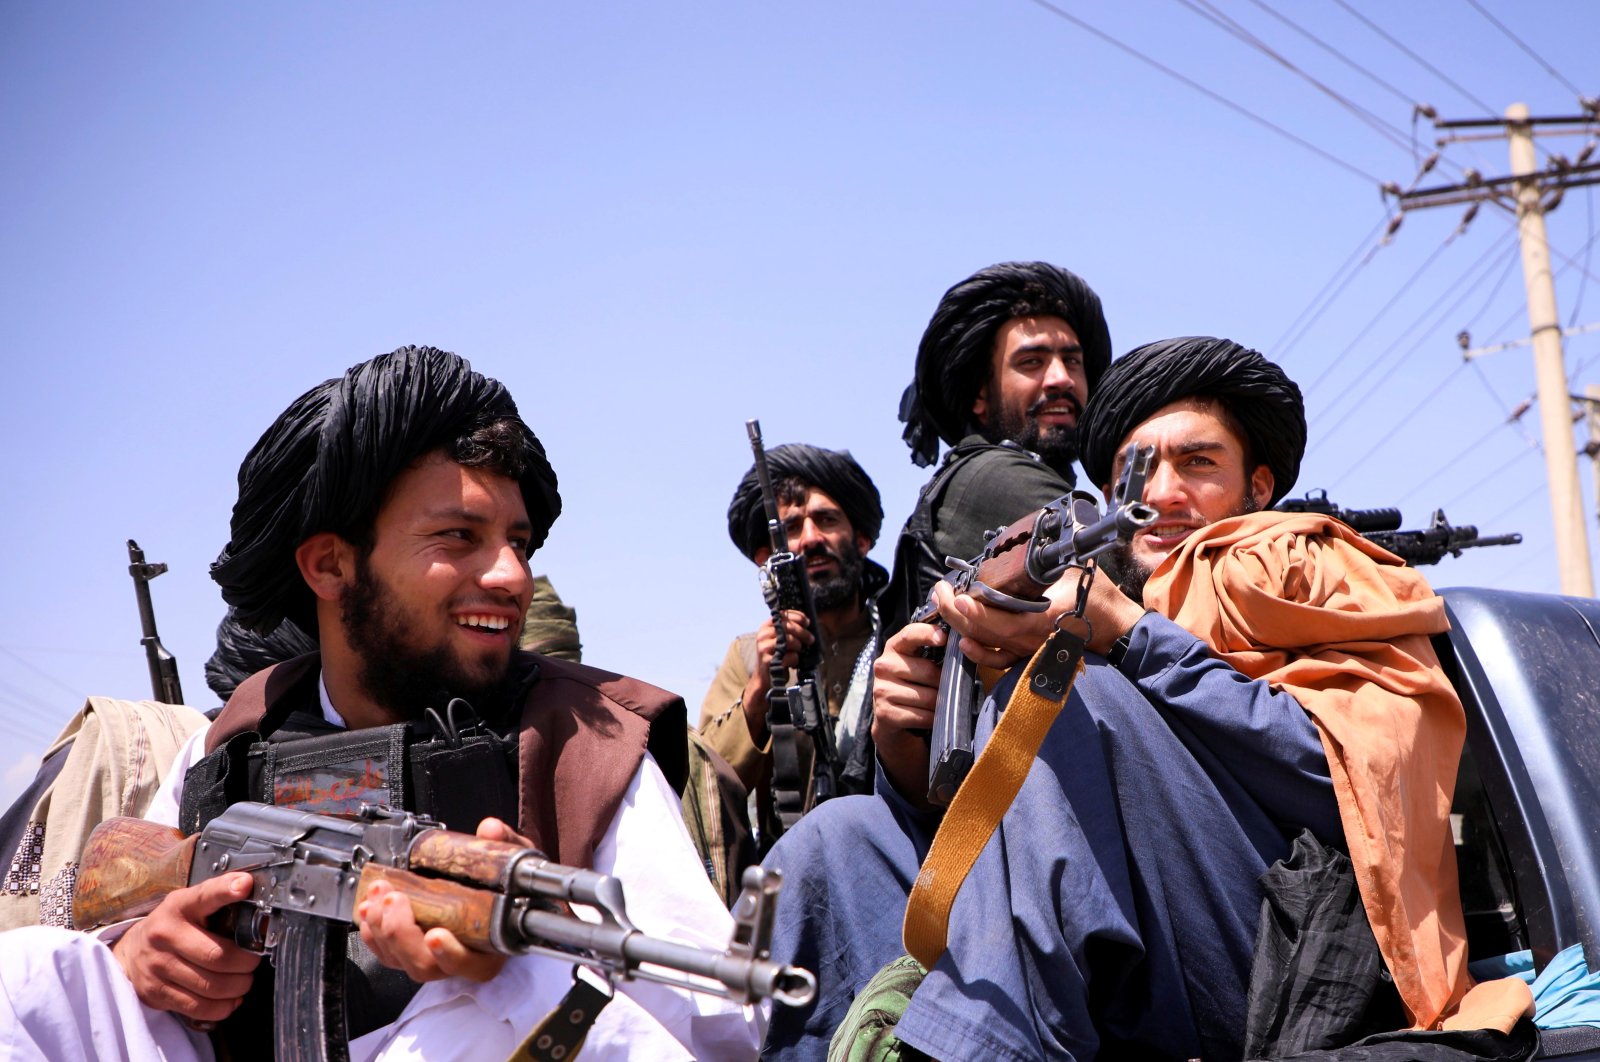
point(390, 513)
point(1003, 370)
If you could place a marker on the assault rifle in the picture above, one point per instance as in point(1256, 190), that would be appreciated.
point(311, 870)
point(1017, 565)
point(1382, 526)
point(163, 665)
point(800, 706)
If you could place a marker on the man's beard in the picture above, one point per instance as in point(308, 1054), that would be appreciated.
point(402, 676)
point(1056, 444)
point(840, 589)
point(1131, 575)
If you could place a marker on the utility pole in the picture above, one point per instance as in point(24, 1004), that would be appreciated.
point(1531, 192)
point(1549, 364)
point(1591, 399)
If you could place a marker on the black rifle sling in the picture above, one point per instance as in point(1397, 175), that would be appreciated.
point(788, 784)
point(561, 1032)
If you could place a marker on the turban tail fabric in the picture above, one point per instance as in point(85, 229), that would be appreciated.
point(956, 354)
point(242, 652)
point(327, 461)
point(834, 472)
point(1266, 402)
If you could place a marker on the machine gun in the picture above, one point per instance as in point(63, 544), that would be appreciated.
point(163, 665)
point(798, 706)
point(311, 870)
point(1015, 568)
point(1382, 526)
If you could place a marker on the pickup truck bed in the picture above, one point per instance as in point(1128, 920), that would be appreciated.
point(1527, 804)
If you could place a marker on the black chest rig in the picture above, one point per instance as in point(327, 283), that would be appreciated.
point(452, 767)
point(917, 564)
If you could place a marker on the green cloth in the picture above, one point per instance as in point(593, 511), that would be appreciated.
point(551, 626)
point(867, 1032)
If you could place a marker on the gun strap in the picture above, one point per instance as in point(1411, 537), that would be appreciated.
point(788, 787)
point(988, 791)
point(560, 1033)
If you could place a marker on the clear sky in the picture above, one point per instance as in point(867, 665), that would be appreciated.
point(654, 221)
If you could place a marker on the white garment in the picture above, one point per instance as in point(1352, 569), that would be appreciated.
point(646, 847)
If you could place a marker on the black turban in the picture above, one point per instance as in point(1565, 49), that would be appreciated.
point(957, 349)
point(1266, 402)
point(327, 461)
point(241, 653)
point(834, 472)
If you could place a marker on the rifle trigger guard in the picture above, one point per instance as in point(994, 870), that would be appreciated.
point(989, 595)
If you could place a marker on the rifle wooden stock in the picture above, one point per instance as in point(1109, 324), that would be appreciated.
point(128, 865)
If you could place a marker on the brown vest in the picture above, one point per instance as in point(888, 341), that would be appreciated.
point(581, 737)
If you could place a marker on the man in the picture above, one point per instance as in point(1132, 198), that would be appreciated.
point(1114, 909)
point(390, 514)
point(831, 515)
point(1003, 370)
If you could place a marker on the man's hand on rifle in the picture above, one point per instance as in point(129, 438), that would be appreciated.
point(905, 689)
point(176, 964)
point(391, 931)
point(797, 634)
point(995, 637)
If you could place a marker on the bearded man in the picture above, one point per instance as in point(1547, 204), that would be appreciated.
point(390, 513)
point(1269, 683)
point(1003, 370)
point(831, 516)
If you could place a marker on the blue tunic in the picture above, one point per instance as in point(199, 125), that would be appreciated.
point(1116, 906)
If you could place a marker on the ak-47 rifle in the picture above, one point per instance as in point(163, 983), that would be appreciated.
point(1382, 526)
point(1016, 567)
point(798, 706)
point(163, 665)
point(311, 870)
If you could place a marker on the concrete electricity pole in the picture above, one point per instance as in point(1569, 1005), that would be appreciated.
point(1532, 192)
point(1549, 365)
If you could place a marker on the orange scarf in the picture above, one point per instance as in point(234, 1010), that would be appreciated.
point(1343, 626)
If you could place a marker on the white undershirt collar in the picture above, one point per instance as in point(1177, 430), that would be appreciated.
point(328, 711)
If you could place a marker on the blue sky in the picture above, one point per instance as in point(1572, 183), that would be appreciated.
point(654, 221)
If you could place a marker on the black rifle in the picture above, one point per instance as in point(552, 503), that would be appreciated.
point(163, 665)
point(1382, 527)
point(798, 706)
point(1017, 565)
point(311, 870)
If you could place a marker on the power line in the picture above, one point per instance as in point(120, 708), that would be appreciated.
point(1488, 476)
point(1337, 54)
point(1281, 348)
point(1229, 25)
point(1553, 72)
point(1588, 251)
point(1539, 487)
point(1191, 83)
point(1511, 263)
point(1386, 436)
point(1455, 459)
point(1441, 75)
point(1395, 363)
point(1372, 323)
point(40, 672)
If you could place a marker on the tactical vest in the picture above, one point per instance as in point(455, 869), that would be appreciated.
point(917, 563)
point(561, 777)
